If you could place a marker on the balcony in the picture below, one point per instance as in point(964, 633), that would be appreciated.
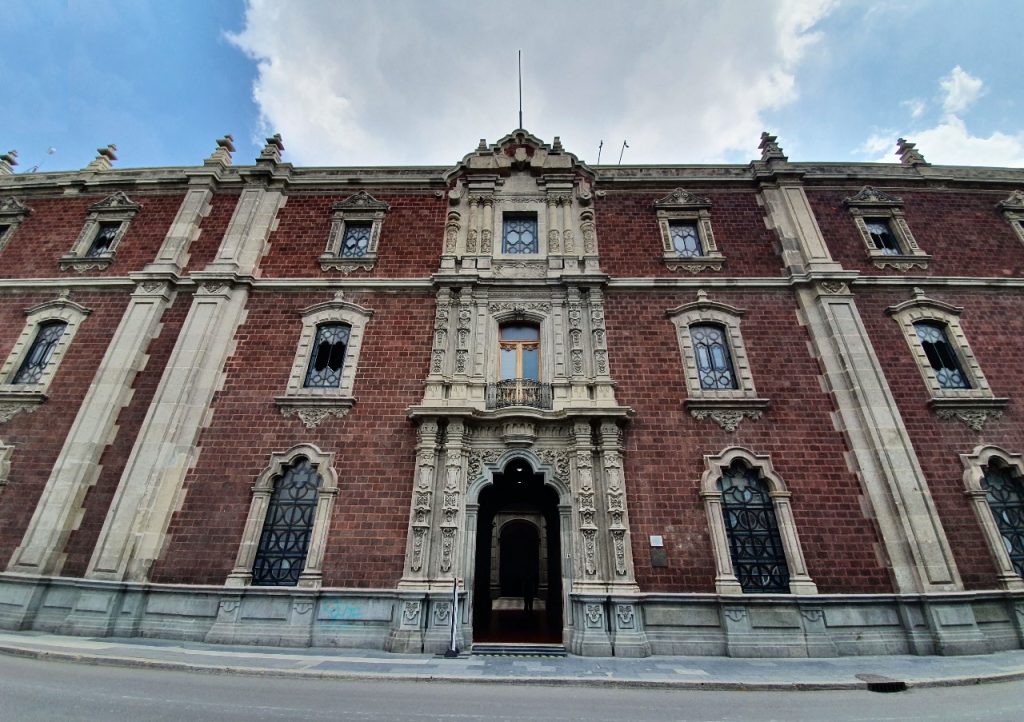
point(518, 392)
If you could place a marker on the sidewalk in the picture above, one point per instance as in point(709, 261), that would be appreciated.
point(674, 672)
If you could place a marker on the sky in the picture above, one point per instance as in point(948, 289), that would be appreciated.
point(410, 82)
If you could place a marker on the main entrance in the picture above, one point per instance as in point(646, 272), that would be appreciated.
point(517, 584)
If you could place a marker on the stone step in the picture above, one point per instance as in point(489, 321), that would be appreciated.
point(519, 650)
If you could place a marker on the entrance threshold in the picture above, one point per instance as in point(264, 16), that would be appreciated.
point(513, 649)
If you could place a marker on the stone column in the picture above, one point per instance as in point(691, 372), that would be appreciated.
point(151, 486)
point(417, 555)
point(589, 574)
point(77, 468)
point(622, 576)
point(452, 502)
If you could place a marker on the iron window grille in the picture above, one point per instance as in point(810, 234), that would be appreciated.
point(356, 241)
point(284, 542)
point(104, 239)
point(328, 356)
point(714, 362)
point(39, 354)
point(1005, 496)
point(941, 356)
point(685, 239)
point(882, 236)
point(755, 545)
point(519, 233)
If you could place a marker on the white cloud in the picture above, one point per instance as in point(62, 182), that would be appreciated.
point(950, 142)
point(916, 106)
point(961, 90)
point(409, 82)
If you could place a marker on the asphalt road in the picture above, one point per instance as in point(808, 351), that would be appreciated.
point(33, 689)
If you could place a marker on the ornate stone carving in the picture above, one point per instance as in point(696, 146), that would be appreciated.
point(1014, 203)
point(833, 287)
point(681, 198)
point(871, 196)
point(313, 416)
point(728, 419)
point(625, 615)
point(346, 266)
point(10, 409)
point(213, 286)
point(12, 206)
point(302, 606)
point(770, 148)
point(410, 613)
point(81, 265)
point(900, 265)
point(519, 308)
point(594, 616)
point(520, 269)
point(442, 613)
point(558, 461)
point(451, 232)
point(812, 615)
point(735, 614)
point(117, 201)
point(975, 419)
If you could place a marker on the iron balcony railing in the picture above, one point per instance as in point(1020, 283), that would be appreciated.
point(518, 392)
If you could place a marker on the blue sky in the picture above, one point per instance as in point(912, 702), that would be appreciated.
point(407, 82)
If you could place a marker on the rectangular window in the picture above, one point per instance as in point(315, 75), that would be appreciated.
point(39, 354)
point(356, 241)
point(685, 239)
point(882, 236)
point(519, 233)
point(104, 239)
point(941, 355)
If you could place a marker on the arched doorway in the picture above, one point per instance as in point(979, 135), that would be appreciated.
point(517, 585)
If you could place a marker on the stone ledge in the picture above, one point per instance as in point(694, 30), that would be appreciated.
point(727, 412)
point(312, 410)
point(974, 412)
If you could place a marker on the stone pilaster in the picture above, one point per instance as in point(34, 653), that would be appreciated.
point(417, 555)
point(589, 574)
point(452, 498)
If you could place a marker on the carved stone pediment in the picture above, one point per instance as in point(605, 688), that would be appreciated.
point(118, 201)
point(11, 206)
point(872, 197)
point(1014, 203)
point(361, 201)
point(520, 150)
point(681, 199)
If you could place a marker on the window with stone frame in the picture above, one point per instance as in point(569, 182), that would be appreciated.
point(956, 385)
point(285, 531)
point(519, 234)
point(356, 224)
point(688, 242)
point(1013, 211)
point(30, 367)
point(883, 228)
point(754, 537)
point(322, 380)
point(12, 213)
point(720, 385)
point(104, 229)
point(994, 481)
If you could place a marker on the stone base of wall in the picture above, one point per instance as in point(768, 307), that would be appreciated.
point(625, 626)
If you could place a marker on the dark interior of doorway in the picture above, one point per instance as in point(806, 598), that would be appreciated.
point(518, 488)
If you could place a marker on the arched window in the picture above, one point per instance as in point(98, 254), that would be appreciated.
point(328, 355)
point(1004, 492)
point(284, 542)
point(941, 355)
point(758, 557)
point(714, 362)
point(753, 534)
point(47, 337)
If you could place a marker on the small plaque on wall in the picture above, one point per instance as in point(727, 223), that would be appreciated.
point(659, 557)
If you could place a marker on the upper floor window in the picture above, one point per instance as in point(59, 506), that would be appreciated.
point(519, 233)
point(882, 236)
point(12, 213)
point(328, 355)
point(714, 362)
point(1013, 211)
point(520, 352)
point(884, 230)
point(951, 372)
point(688, 242)
point(104, 229)
point(46, 340)
point(941, 355)
point(323, 375)
point(719, 381)
point(356, 224)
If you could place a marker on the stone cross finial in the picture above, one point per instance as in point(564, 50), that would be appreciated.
point(770, 149)
point(104, 159)
point(272, 150)
point(909, 154)
point(7, 162)
point(222, 154)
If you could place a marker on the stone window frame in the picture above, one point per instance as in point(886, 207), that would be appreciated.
point(263, 489)
point(360, 207)
point(975, 465)
point(6, 452)
point(1013, 211)
point(870, 203)
point(726, 581)
point(683, 206)
point(973, 406)
point(15, 398)
point(115, 208)
point(314, 404)
point(726, 407)
point(12, 214)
